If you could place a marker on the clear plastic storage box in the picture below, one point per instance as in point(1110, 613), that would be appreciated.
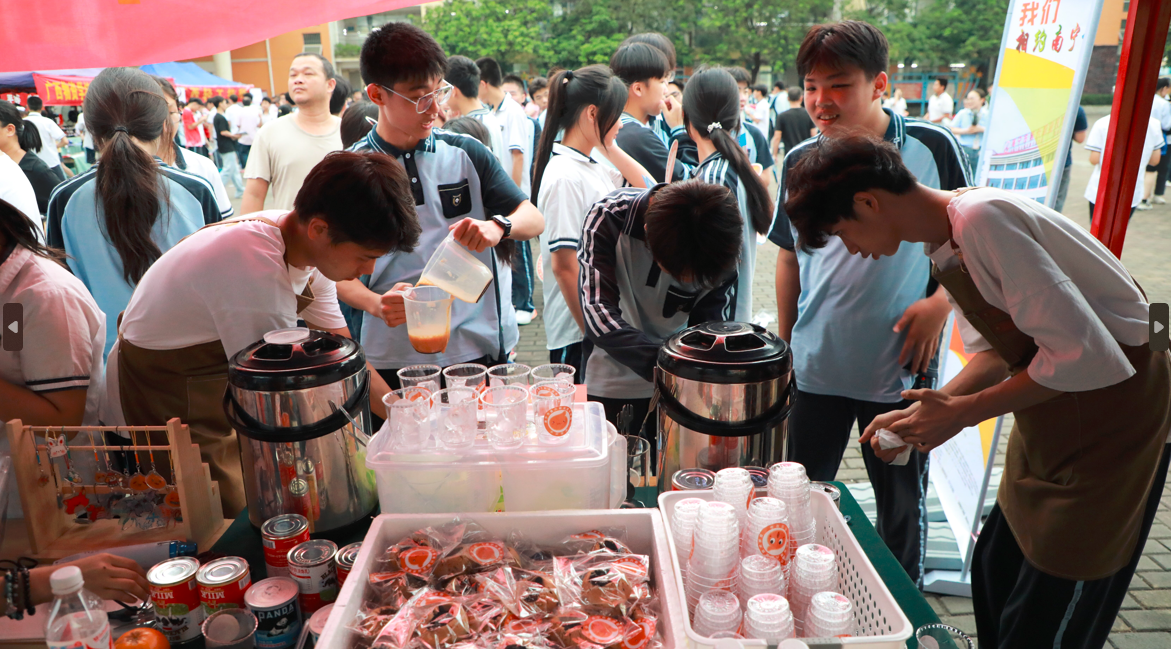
point(574, 475)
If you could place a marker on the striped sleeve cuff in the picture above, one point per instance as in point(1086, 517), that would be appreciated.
point(55, 385)
point(563, 244)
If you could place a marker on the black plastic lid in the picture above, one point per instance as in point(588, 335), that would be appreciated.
point(295, 359)
point(726, 352)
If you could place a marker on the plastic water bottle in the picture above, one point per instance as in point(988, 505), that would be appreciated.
point(77, 619)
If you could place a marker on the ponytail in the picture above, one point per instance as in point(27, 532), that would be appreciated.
point(570, 93)
point(125, 103)
point(27, 135)
point(711, 105)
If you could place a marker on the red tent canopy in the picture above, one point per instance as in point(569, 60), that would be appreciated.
point(77, 33)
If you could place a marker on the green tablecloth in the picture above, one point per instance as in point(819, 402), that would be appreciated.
point(243, 540)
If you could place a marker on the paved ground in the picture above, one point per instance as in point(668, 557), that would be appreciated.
point(1145, 620)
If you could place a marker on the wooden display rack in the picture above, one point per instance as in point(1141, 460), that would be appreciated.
point(53, 534)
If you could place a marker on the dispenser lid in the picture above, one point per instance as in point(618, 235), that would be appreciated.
point(726, 352)
point(295, 359)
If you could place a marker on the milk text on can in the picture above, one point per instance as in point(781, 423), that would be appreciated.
point(222, 584)
point(311, 566)
point(345, 562)
point(278, 615)
point(280, 534)
point(176, 598)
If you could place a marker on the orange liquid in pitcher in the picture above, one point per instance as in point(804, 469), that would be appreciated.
point(431, 340)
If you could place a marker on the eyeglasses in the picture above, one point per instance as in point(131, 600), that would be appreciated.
point(424, 103)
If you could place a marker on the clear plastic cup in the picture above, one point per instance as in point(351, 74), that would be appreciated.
point(423, 376)
point(734, 486)
point(229, 628)
point(466, 375)
point(554, 372)
point(509, 374)
point(506, 416)
point(767, 616)
point(761, 575)
point(683, 520)
point(455, 410)
point(408, 415)
point(456, 270)
point(552, 411)
point(428, 318)
point(717, 612)
point(767, 529)
point(831, 615)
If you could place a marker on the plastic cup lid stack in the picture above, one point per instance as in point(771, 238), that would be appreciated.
point(831, 615)
point(683, 521)
point(717, 612)
point(788, 482)
point(762, 536)
point(768, 617)
point(715, 551)
point(815, 569)
point(734, 486)
point(760, 575)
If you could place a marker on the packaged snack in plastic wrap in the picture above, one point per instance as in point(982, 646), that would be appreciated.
point(602, 540)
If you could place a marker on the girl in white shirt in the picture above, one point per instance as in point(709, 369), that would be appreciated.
point(1041, 301)
point(585, 106)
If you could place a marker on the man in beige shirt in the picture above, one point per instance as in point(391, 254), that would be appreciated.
point(287, 148)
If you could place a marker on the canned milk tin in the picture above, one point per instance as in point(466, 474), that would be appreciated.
point(280, 534)
point(317, 621)
point(222, 584)
point(345, 562)
point(311, 566)
point(176, 598)
point(692, 479)
point(278, 615)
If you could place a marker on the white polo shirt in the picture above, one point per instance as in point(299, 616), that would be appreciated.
point(570, 186)
point(1096, 141)
point(51, 134)
point(940, 105)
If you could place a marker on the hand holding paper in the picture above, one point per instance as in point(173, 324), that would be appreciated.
point(888, 440)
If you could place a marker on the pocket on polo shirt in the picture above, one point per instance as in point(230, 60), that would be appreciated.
point(456, 199)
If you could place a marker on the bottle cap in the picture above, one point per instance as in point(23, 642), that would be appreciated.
point(183, 549)
point(66, 580)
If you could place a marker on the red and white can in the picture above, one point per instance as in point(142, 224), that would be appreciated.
point(222, 584)
point(345, 562)
point(311, 565)
point(280, 534)
point(175, 595)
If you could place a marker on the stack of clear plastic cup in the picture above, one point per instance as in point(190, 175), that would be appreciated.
point(715, 552)
point(814, 569)
point(734, 486)
point(831, 615)
point(717, 612)
point(767, 530)
point(683, 520)
point(760, 575)
point(767, 617)
point(787, 481)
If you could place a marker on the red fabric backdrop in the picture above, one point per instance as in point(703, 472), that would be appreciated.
point(101, 33)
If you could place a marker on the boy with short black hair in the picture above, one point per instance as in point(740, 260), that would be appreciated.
point(464, 76)
point(458, 187)
point(751, 136)
point(644, 70)
point(653, 261)
point(861, 330)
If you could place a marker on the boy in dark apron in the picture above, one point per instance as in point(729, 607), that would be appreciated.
point(1041, 301)
point(227, 285)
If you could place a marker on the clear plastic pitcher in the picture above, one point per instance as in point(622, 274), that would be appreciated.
point(454, 269)
point(428, 318)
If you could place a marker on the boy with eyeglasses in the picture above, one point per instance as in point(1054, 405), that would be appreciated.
point(458, 186)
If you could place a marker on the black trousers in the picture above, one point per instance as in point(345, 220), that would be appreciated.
point(819, 430)
point(1019, 607)
point(1161, 169)
point(570, 355)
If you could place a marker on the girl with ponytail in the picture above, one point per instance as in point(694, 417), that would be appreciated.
point(116, 219)
point(711, 114)
point(584, 107)
point(21, 140)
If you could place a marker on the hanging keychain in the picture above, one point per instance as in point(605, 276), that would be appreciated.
point(118, 479)
point(137, 482)
point(100, 476)
point(154, 480)
point(42, 479)
point(72, 475)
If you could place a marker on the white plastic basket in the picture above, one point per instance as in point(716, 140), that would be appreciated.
point(645, 533)
point(880, 621)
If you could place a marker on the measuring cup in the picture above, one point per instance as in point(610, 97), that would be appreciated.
point(454, 269)
point(428, 318)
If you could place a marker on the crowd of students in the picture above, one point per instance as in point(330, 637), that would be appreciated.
point(646, 195)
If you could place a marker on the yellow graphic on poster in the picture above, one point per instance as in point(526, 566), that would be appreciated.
point(1044, 56)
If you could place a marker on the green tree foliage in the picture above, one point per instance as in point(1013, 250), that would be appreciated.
point(757, 33)
point(946, 31)
point(510, 30)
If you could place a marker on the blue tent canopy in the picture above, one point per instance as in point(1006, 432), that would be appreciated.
point(189, 74)
point(25, 79)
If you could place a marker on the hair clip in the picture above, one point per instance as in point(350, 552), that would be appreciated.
point(713, 126)
point(567, 77)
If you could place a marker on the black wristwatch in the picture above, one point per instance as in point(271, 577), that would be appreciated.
point(504, 224)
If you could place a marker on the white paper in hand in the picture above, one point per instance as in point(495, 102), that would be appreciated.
point(888, 440)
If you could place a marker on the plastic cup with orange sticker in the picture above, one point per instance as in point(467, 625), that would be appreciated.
point(553, 411)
